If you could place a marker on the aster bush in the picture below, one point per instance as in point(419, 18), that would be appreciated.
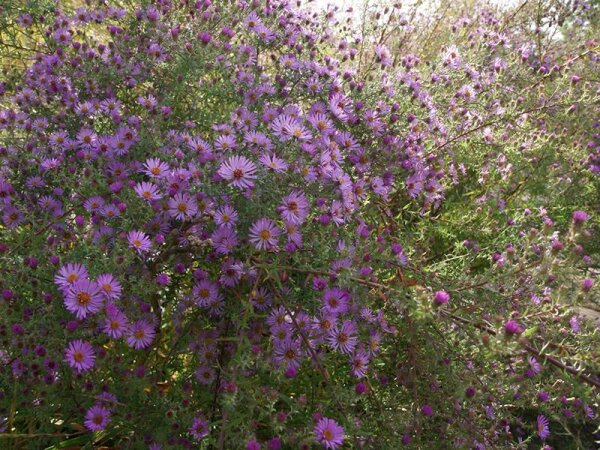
point(254, 225)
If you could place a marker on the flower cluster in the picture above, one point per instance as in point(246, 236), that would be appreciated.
point(243, 225)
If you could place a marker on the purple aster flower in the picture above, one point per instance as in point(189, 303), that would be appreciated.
point(287, 353)
point(273, 162)
point(97, 418)
point(205, 375)
point(80, 355)
point(231, 272)
point(225, 216)
point(148, 191)
point(140, 334)
point(12, 217)
point(336, 301)
point(138, 240)
point(321, 122)
point(360, 364)
point(224, 240)
point(264, 234)
point(199, 428)
point(543, 427)
point(294, 208)
point(87, 139)
point(343, 338)
point(329, 433)
point(535, 366)
point(69, 274)
point(281, 331)
point(182, 207)
point(239, 171)
point(226, 142)
point(83, 297)
point(261, 299)
point(155, 168)
point(109, 286)
point(94, 204)
point(62, 36)
point(205, 293)
point(116, 324)
point(163, 279)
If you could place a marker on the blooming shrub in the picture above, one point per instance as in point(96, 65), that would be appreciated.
point(244, 225)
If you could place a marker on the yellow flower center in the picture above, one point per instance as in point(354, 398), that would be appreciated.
point(83, 298)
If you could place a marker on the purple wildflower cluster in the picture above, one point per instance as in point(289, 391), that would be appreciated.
point(219, 224)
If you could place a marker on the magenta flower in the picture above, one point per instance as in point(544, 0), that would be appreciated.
point(138, 240)
point(264, 234)
point(543, 427)
point(441, 298)
point(239, 171)
point(512, 327)
point(329, 433)
point(427, 410)
point(83, 298)
point(140, 335)
point(97, 418)
point(80, 355)
point(182, 207)
point(579, 217)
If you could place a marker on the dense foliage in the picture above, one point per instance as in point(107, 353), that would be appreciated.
point(255, 225)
